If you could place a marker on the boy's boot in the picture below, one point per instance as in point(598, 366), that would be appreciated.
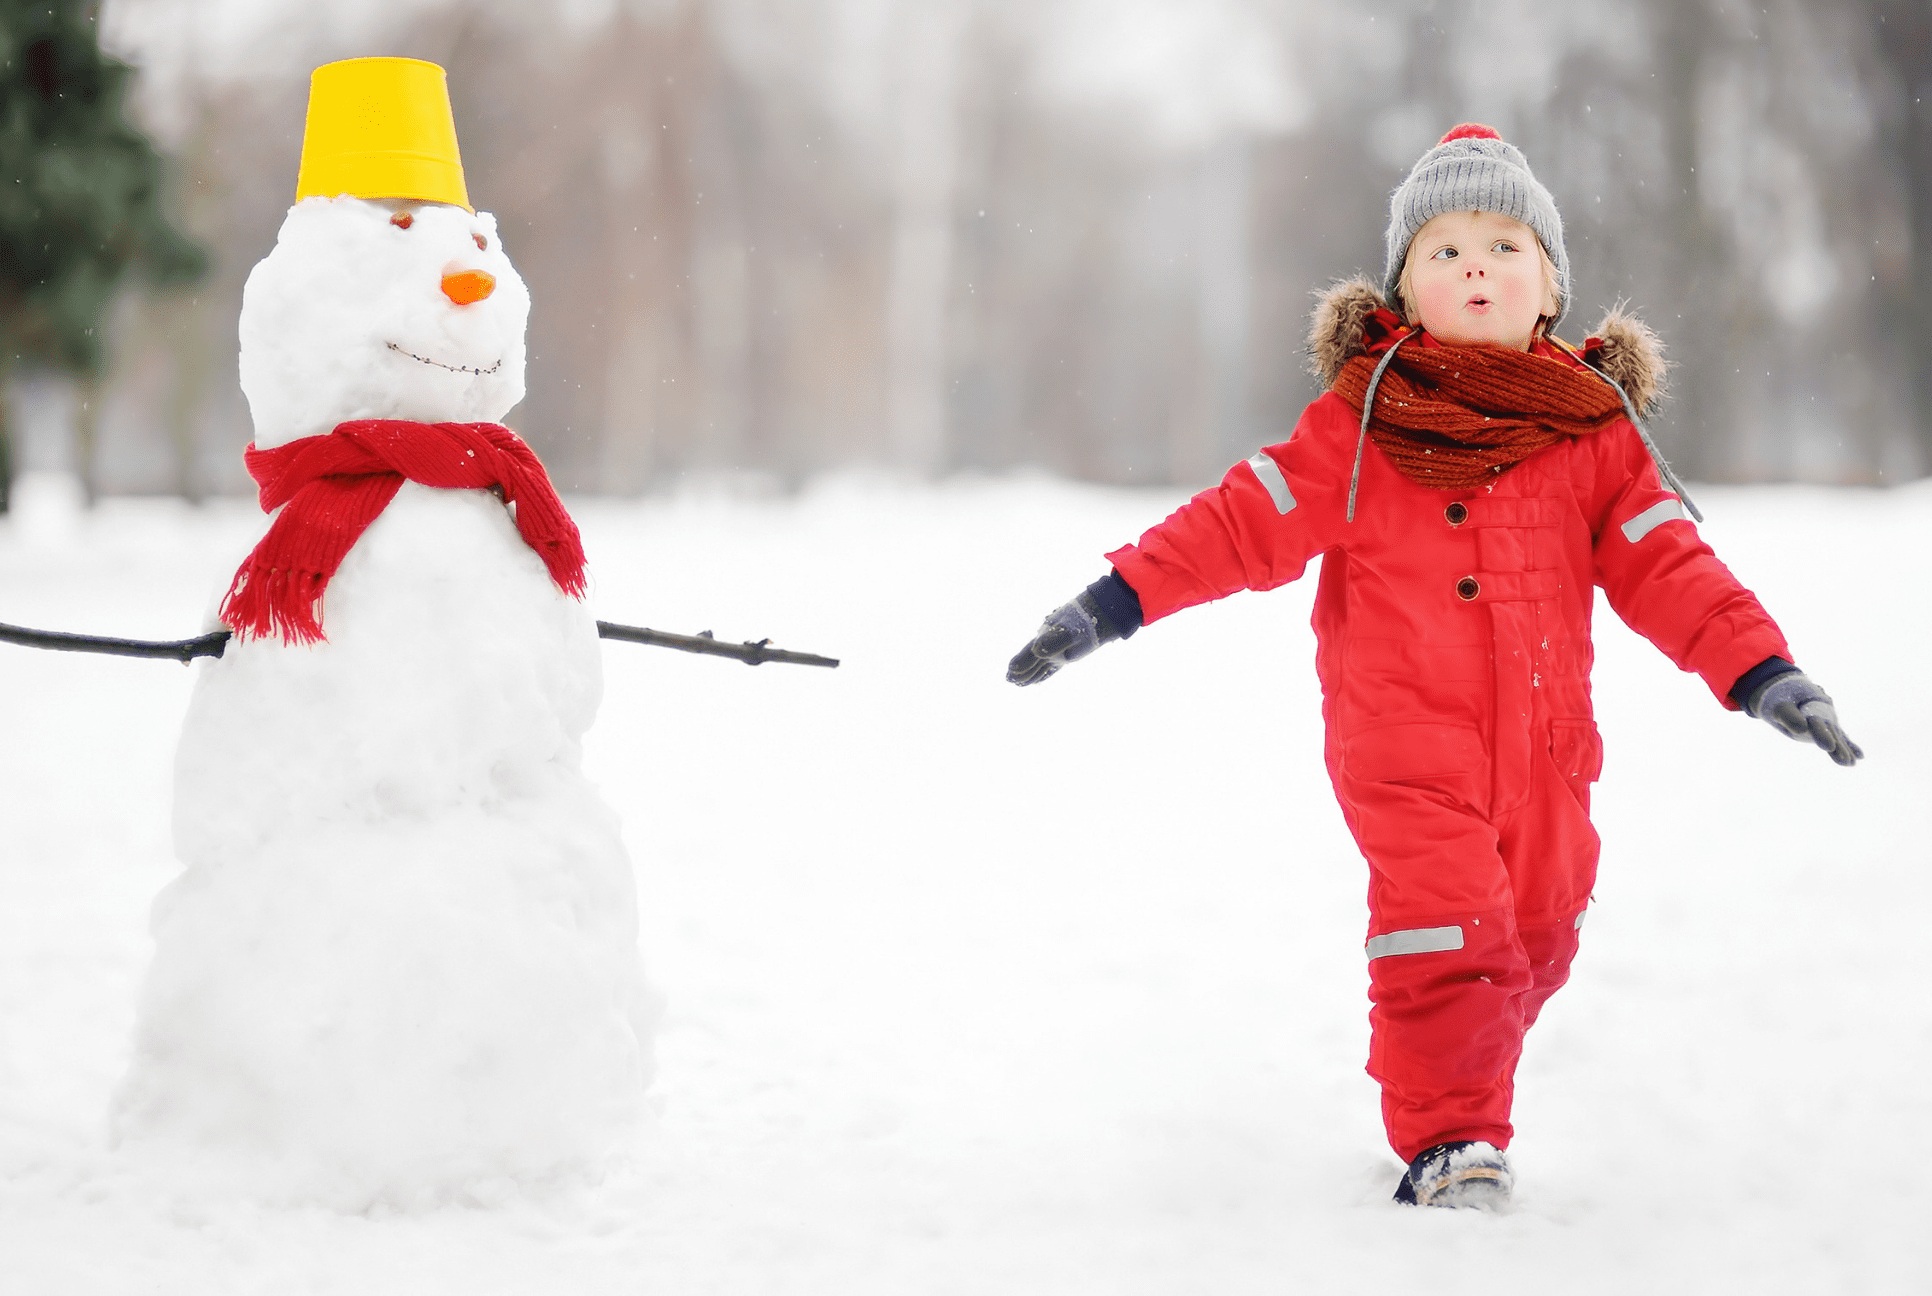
point(1464, 1173)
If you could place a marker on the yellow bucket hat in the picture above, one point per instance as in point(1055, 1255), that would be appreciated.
point(381, 128)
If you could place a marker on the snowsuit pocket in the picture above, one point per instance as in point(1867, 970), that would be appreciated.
point(1403, 753)
point(1577, 750)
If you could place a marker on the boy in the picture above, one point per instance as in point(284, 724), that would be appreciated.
point(1509, 476)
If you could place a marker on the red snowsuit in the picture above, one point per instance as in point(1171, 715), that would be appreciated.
point(1454, 656)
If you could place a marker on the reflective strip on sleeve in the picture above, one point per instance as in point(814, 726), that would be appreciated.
point(1269, 474)
point(1650, 519)
point(1419, 940)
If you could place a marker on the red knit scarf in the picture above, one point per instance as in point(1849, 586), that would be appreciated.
point(331, 487)
point(1454, 417)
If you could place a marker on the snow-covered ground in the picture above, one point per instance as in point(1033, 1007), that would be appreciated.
point(978, 990)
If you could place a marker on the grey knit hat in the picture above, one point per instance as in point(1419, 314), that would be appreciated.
point(1473, 169)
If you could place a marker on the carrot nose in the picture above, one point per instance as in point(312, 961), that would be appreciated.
point(466, 286)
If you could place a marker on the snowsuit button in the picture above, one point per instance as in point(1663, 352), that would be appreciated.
point(1467, 588)
point(1457, 513)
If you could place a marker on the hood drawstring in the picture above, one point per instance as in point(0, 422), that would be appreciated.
point(1368, 407)
point(1630, 411)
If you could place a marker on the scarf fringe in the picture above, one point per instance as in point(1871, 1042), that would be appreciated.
point(265, 602)
point(564, 562)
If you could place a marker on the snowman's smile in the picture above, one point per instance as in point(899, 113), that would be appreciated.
point(468, 369)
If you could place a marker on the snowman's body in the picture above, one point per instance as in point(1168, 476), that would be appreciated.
point(401, 961)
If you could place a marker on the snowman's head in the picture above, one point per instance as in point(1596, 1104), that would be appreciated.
point(381, 309)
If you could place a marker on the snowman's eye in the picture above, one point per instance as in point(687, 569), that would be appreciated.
point(402, 220)
point(482, 244)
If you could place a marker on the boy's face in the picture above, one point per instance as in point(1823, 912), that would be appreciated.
point(1476, 279)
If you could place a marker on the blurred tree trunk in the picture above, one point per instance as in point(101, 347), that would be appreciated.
point(926, 102)
point(1902, 32)
point(87, 427)
point(1224, 311)
point(1699, 277)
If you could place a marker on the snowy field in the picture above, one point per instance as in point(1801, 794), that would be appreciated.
point(978, 990)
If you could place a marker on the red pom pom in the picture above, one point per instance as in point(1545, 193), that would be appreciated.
point(1470, 130)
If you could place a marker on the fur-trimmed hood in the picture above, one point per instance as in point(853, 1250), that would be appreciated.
point(1630, 351)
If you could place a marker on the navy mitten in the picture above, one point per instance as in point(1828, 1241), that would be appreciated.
point(1106, 610)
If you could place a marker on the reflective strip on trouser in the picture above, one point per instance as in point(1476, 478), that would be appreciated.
point(1418, 940)
point(1670, 510)
point(1269, 474)
point(1446, 1028)
point(1445, 1033)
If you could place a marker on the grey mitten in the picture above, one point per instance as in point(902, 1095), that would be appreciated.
point(1798, 708)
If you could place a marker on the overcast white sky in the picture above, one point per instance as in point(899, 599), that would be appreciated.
point(1186, 69)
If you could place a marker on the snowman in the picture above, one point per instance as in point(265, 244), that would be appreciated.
point(400, 964)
